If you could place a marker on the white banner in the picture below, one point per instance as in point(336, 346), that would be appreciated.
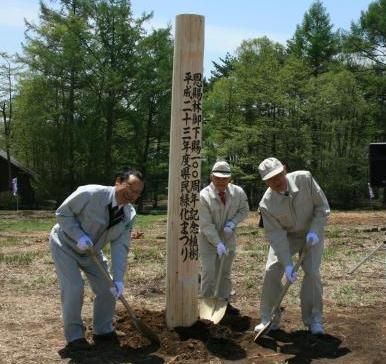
point(14, 186)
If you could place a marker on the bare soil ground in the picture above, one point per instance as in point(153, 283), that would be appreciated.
point(355, 316)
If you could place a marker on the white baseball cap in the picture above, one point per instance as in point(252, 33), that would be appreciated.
point(221, 169)
point(270, 167)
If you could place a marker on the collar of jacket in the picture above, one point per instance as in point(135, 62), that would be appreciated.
point(128, 209)
point(293, 189)
point(214, 192)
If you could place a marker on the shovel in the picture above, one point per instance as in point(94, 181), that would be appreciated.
point(382, 245)
point(139, 324)
point(214, 308)
point(267, 326)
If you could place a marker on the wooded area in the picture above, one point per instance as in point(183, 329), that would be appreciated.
point(91, 93)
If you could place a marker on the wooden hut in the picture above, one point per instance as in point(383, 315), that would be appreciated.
point(24, 176)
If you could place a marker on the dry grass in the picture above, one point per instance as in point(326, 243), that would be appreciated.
point(31, 330)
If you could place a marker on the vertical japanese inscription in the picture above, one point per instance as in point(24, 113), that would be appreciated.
point(190, 165)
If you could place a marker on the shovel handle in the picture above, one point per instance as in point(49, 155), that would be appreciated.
point(367, 257)
point(219, 276)
point(303, 253)
point(100, 267)
point(275, 308)
point(139, 324)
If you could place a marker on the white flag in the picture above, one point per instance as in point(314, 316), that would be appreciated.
point(14, 186)
point(371, 193)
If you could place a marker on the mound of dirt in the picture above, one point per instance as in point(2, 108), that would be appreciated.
point(232, 340)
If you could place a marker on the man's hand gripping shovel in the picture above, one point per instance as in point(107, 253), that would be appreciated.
point(139, 324)
point(265, 330)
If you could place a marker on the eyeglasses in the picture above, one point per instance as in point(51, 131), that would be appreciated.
point(128, 185)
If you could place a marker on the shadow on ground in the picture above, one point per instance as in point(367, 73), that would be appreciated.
point(113, 354)
point(303, 346)
point(220, 340)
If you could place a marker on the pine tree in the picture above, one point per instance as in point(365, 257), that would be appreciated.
point(314, 40)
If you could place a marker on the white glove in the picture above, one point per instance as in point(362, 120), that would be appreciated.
point(312, 238)
point(221, 249)
point(84, 243)
point(117, 290)
point(229, 228)
point(290, 274)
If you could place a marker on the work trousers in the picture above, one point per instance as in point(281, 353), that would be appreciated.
point(210, 264)
point(69, 265)
point(311, 294)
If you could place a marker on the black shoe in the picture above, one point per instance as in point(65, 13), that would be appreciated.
point(78, 345)
point(232, 310)
point(109, 338)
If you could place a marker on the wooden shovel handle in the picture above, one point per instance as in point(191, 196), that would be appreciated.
point(303, 253)
point(139, 324)
point(382, 245)
point(219, 276)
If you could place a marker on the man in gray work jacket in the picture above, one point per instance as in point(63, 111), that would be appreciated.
point(91, 217)
point(294, 211)
point(223, 206)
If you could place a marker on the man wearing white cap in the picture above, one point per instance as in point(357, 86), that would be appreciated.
point(223, 206)
point(294, 210)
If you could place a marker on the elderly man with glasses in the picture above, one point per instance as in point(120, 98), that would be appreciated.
point(89, 218)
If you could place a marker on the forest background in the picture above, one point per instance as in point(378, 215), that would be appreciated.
point(90, 94)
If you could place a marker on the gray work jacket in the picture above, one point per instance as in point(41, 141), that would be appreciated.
point(86, 211)
point(214, 214)
point(288, 219)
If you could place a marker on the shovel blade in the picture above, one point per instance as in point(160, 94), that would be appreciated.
point(146, 331)
point(212, 309)
point(265, 330)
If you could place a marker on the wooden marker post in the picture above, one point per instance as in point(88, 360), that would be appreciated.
point(184, 172)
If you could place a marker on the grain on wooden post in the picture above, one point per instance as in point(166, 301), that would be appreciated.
point(184, 172)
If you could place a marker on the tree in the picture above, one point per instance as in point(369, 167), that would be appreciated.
point(314, 40)
point(245, 113)
point(223, 68)
point(8, 72)
point(150, 124)
point(340, 128)
point(106, 89)
point(367, 38)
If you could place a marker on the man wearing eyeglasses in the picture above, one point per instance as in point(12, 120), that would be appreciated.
point(91, 217)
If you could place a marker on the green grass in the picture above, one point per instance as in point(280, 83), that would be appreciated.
point(333, 233)
point(144, 222)
point(146, 255)
point(346, 294)
point(27, 225)
point(10, 241)
point(20, 259)
point(249, 230)
point(250, 283)
point(256, 249)
point(40, 282)
point(330, 252)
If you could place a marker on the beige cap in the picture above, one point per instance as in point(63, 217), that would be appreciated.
point(269, 168)
point(221, 169)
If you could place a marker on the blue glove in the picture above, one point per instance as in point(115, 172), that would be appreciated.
point(230, 224)
point(229, 228)
point(84, 243)
point(117, 290)
point(290, 274)
point(221, 249)
point(312, 238)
